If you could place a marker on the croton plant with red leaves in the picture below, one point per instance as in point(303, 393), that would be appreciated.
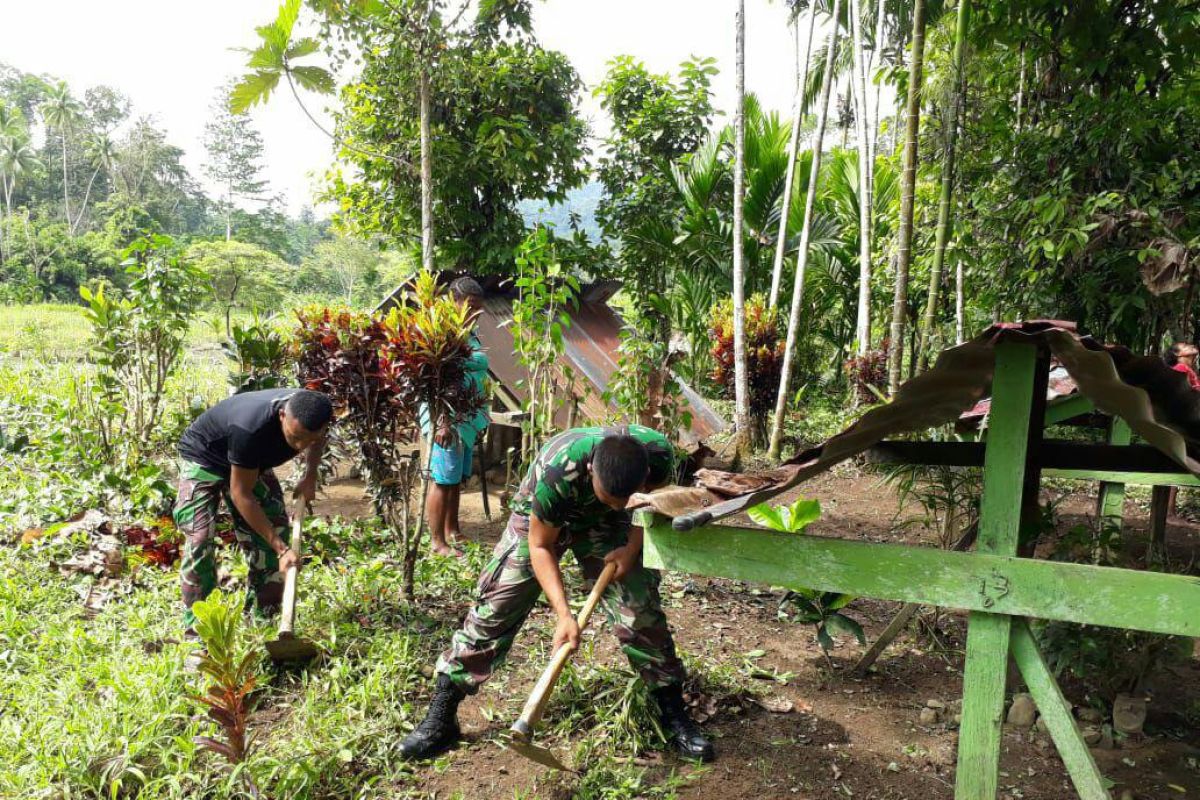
point(764, 356)
point(379, 370)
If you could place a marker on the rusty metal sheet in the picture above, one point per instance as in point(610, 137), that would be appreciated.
point(590, 345)
point(1154, 399)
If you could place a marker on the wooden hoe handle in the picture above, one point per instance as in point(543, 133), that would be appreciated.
point(536, 704)
point(287, 617)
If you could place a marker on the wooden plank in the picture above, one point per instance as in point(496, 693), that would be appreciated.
point(900, 621)
point(1050, 454)
point(934, 454)
point(1061, 409)
point(1056, 711)
point(1110, 504)
point(898, 624)
point(1128, 478)
point(1160, 505)
point(1121, 598)
point(1004, 467)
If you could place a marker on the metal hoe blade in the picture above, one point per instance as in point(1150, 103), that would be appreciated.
point(534, 753)
point(289, 647)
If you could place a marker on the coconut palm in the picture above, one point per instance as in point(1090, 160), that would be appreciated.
point(862, 119)
point(805, 233)
point(793, 145)
point(741, 382)
point(61, 112)
point(102, 154)
point(17, 158)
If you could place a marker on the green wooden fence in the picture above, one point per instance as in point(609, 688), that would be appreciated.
point(998, 588)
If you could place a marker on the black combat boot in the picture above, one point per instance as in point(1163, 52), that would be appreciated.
point(681, 732)
point(439, 730)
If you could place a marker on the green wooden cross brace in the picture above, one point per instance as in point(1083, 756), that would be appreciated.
point(999, 589)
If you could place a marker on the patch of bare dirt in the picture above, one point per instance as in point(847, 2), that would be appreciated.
point(846, 737)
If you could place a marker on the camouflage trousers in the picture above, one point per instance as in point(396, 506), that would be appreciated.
point(196, 506)
point(508, 590)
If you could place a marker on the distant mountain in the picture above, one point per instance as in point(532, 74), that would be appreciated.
point(582, 201)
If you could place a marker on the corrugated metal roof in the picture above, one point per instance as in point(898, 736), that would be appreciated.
point(590, 342)
point(1154, 399)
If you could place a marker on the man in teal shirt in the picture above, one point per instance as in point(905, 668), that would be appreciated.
point(453, 447)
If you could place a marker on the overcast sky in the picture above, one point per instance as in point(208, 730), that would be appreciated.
point(170, 57)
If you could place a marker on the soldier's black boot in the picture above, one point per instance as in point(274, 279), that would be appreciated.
point(439, 730)
point(682, 732)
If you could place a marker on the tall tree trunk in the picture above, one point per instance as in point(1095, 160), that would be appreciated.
point(959, 304)
point(874, 63)
point(86, 196)
point(66, 196)
point(793, 152)
point(862, 329)
point(426, 175)
point(741, 380)
point(1021, 90)
point(789, 350)
point(908, 182)
point(946, 201)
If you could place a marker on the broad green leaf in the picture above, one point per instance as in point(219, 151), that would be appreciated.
point(253, 89)
point(768, 516)
point(802, 513)
point(843, 624)
point(303, 47)
point(314, 79)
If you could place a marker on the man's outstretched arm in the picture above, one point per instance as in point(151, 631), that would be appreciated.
point(241, 491)
point(542, 538)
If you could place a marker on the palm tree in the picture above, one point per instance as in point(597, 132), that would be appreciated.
point(793, 149)
point(17, 158)
point(862, 113)
point(741, 383)
point(61, 112)
point(101, 153)
point(908, 182)
point(789, 351)
point(946, 200)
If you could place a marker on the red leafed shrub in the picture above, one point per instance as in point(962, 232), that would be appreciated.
point(867, 370)
point(159, 544)
point(379, 371)
point(764, 356)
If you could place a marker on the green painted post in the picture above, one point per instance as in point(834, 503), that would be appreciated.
point(1056, 711)
point(1111, 503)
point(988, 635)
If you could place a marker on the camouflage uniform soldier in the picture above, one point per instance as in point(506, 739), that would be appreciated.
point(230, 452)
point(573, 498)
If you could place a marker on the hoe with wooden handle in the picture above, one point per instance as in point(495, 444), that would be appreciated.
point(287, 646)
point(521, 733)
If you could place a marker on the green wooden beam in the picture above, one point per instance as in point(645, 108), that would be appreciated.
point(1004, 467)
point(1063, 408)
point(1150, 601)
point(1132, 478)
point(1056, 711)
point(1111, 502)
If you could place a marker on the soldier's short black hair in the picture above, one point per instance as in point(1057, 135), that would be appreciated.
point(621, 463)
point(465, 287)
point(311, 409)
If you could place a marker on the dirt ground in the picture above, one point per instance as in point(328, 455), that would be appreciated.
point(846, 737)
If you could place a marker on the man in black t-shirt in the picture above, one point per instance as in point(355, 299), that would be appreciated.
point(231, 451)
